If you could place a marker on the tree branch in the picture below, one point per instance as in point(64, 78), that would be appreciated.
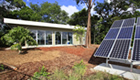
point(93, 3)
point(86, 3)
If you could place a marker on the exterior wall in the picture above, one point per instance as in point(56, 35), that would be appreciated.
point(75, 42)
point(53, 38)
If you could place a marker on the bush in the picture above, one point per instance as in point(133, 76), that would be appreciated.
point(79, 70)
point(42, 74)
point(58, 75)
point(1, 67)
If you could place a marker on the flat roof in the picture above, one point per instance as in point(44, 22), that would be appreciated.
point(34, 23)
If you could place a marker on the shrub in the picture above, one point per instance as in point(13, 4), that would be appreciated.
point(58, 75)
point(42, 74)
point(79, 69)
point(1, 67)
point(17, 36)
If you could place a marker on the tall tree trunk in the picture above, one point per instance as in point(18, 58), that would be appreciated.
point(90, 30)
point(88, 24)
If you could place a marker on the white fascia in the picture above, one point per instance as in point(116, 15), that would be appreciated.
point(33, 23)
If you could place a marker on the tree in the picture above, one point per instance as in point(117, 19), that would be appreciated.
point(51, 12)
point(89, 4)
point(6, 7)
point(17, 36)
point(80, 18)
point(79, 31)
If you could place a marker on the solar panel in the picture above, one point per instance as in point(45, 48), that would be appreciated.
point(136, 51)
point(123, 41)
point(137, 35)
point(129, 22)
point(104, 48)
point(112, 34)
point(136, 46)
point(108, 41)
point(125, 33)
point(120, 49)
point(138, 21)
point(117, 42)
point(117, 24)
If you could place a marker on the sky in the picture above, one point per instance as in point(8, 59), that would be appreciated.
point(69, 6)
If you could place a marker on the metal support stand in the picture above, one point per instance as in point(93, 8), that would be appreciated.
point(131, 66)
point(107, 62)
point(131, 70)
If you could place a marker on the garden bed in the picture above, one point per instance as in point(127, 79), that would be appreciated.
point(52, 58)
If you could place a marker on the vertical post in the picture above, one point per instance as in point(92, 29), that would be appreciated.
point(131, 70)
point(131, 66)
point(107, 62)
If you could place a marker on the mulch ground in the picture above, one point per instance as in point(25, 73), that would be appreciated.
point(50, 57)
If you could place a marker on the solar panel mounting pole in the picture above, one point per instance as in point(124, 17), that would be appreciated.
point(131, 70)
point(107, 59)
point(131, 66)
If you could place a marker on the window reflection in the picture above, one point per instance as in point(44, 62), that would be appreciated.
point(64, 37)
point(41, 38)
point(70, 38)
point(48, 37)
point(58, 38)
point(33, 34)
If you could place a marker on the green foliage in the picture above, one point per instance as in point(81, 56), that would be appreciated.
point(1, 67)
point(79, 31)
point(100, 31)
point(6, 7)
point(79, 71)
point(42, 74)
point(79, 18)
point(58, 75)
point(51, 12)
point(17, 36)
point(79, 68)
point(3, 30)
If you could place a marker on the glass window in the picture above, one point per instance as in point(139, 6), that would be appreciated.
point(41, 38)
point(64, 37)
point(48, 37)
point(70, 38)
point(57, 38)
point(33, 34)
